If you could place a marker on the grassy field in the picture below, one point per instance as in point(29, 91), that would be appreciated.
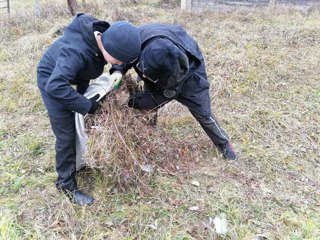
point(264, 70)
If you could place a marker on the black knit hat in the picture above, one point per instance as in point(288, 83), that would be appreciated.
point(122, 41)
point(163, 61)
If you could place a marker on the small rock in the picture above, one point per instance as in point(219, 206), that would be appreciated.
point(147, 168)
point(303, 150)
point(195, 183)
point(109, 223)
point(194, 208)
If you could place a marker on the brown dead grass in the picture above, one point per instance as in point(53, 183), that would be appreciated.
point(263, 67)
point(124, 142)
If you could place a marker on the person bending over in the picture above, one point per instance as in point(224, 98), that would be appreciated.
point(173, 68)
point(78, 56)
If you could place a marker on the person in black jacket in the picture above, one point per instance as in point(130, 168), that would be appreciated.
point(78, 56)
point(172, 68)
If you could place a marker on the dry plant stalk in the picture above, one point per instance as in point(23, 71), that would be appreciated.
point(122, 142)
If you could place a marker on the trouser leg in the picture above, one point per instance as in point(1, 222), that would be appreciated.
point(153, 113)
point(63, 126)
point(195, 96)
point(211, 126)
point(64, 130)
point(202, 112)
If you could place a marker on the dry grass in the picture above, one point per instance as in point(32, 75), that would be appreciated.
point(124, 143)
point(264, 71)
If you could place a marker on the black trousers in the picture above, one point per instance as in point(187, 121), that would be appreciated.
point(194, 94)
point(198, 101)
point(63, 126)
point(210, 125)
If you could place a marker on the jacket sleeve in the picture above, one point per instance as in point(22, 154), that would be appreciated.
point(153, 99)
point(123, 68)
point(82, 86)
point(58, 85)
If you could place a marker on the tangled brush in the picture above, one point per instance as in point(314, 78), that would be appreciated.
point(125, 142)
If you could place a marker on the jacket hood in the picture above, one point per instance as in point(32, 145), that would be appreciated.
point(88, 25)
point(163, 62)
point(174, 33)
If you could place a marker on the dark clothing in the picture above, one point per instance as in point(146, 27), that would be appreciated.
point(72, 59)
point(176, 34)
point(75, 59)
point(193, 91)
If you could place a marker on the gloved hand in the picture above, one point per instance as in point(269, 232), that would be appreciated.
point(151, 100)
point(82, 87)
point(116, 78)
point(123, 68)
point(95, 105)
point(142, 100)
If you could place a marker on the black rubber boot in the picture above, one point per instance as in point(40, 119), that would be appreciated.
point(70, 189)
point(78, 197)
point(227, 151)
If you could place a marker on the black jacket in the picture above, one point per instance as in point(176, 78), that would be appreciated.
point(194, 86)
point(176, 34)
point(74, 58)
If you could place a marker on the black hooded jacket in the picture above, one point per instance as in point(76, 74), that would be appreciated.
point(176, 34)
point(160, 94)
point(75, 59)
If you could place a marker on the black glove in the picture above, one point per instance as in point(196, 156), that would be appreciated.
point(146, 100)
point(95, 105)
point(123, 68)
point(82, 87)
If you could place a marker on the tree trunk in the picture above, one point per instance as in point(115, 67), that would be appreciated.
point(73, 6)
point(38, 10)
point(272, 2)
